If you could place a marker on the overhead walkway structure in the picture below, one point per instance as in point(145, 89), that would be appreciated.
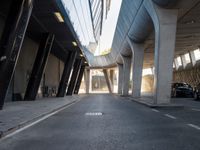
point(150, 33)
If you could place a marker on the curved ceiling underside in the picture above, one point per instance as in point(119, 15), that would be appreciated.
point(133, 22)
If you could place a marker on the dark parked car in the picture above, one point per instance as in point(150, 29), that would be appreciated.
point(182, 90)
point(197, 92)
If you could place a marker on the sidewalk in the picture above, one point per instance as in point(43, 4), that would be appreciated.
point(175, 102)
point(16, 115)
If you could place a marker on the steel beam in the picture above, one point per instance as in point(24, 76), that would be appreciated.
point(108, 81)
point(66, 74)
point(39, 66)
point(80, 77)
point(11, 42)
point(74, 77)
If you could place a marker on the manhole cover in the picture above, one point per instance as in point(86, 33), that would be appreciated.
point(94, 114)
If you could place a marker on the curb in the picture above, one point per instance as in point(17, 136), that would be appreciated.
point(157, 105)
point(26, 123)
point(150, 105)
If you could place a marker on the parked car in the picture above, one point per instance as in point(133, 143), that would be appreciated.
point(182, 90)
point(197, 92)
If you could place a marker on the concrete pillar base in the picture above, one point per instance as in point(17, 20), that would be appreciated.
point(87, 80)
point(165, 22)
point(126, 75)
point(137, 61)
point(108, 81)
point(120, 78)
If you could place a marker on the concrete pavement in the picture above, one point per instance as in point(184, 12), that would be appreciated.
point(106, 122)
point(16, 115)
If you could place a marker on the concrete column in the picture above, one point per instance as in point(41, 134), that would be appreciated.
point(108, 81)
point(11, 42)
point(80, 77)
point(165, 22)
point(126, 75)
point(66, 74)
point(112, 76)
point(120, 78)
point(74, 77)
point(192, 58)
point(87, 80)
point(137, 61)
point(39, 66)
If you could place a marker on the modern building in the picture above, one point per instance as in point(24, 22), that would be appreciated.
point(43, 46)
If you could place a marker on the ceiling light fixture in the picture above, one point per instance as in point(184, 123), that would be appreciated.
point(74, 43)
point(189, 22)
point(58, 17)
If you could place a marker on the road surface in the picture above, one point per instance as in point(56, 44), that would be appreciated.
point(107, 122)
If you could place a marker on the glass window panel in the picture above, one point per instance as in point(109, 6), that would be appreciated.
point(147, 71)
point(179, 61)
point(197, 54)
point(187, 58)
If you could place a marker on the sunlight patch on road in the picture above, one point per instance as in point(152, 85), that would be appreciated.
point(170, 116)
point(194, 126)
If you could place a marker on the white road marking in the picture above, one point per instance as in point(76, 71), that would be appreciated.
point(194, 109)
point(194, 126)
point(93, 114)
point(170, 116)
point(155, 110)
point(37, 121)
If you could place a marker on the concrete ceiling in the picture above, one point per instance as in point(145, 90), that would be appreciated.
point(188, 31)
point(43, 20)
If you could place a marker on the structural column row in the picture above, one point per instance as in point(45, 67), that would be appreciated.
point(165, 22)
point(39, 66)
point(10, 46)
point(11, 42)
point(74, 77)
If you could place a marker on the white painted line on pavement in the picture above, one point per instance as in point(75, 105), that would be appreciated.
point(170, 116)
point(37, 121)
point(155, 110)
point(194, 126)
point(93, 114)
point(194, 109)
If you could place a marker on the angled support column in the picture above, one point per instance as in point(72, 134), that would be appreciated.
point(112, 77)
point(39, 66)
point(87, 80)
point(120, 78)
point(74, 77)
point(108, 81)
point(80, 77)
point(126, 75)
point(66, 74)
point(11, 42)
point(165, 22)
point(137, 61)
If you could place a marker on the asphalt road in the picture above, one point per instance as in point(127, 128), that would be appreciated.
point(105, 122)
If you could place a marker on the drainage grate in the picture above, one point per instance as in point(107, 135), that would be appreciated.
point(94, 114)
